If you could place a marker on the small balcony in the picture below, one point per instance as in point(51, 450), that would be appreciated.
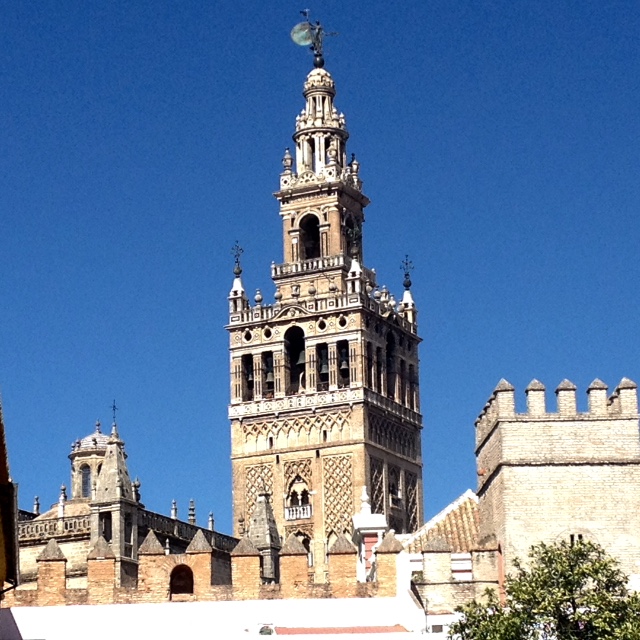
point(302, 512)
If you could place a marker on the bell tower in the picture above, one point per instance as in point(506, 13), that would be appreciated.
point(324, 380)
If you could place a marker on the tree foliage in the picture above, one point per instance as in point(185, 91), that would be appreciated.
point(567, 592)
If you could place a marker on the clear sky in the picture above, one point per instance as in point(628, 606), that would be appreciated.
point(498, 142)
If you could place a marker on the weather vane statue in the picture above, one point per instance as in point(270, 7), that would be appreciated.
point(311, 35)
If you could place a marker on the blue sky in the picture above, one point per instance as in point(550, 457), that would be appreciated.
point(498, 142)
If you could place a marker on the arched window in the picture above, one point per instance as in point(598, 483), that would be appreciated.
point(309, 238)
point(298, 500)
point(85, 472)
point(295, 359)
point(181, 580)
point(298, 493)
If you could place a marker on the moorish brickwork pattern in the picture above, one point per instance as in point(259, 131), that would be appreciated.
point(377, 485)
point(259, 479)
point(295, 468)
point(296, 425)
point(338, 494)
point(411, 481)
point(393, 436)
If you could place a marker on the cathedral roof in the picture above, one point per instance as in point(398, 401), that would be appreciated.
point(455, 528)
point(96, 440)
point(71, 509)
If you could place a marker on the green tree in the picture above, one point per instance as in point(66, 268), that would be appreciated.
point(566, 592)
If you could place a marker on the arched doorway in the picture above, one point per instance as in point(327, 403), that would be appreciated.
point(181, 580)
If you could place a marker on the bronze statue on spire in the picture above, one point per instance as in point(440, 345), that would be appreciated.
point(307, 34)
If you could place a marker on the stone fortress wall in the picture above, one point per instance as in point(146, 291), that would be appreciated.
point(549, 475)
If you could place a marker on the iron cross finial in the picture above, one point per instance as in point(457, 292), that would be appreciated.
point(114, 408)
point(407, 267)
point(236, 252)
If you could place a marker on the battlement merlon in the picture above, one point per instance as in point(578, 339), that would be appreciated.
point(623, 402)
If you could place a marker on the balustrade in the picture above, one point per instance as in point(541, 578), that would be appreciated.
point(301, 512)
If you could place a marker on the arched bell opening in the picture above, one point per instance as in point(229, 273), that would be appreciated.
point(268, 381)
point(294, 345)
point(322, 363)
point(391, 365)
point(181, 580)
point(85, 474)
point(309, 237)
point(344, 371)
point(370, 365)
point(353, 238)
point(248, 379)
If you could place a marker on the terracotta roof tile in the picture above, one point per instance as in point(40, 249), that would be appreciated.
point(456, 526)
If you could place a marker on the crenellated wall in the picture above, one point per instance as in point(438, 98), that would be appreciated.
point(209, 571)
point(545, 475)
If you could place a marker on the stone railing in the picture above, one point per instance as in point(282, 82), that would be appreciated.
point(394, 407)
point(312, 399)
point(71, 527)
point(301, 512)
point(164, 525)
point(314, 264)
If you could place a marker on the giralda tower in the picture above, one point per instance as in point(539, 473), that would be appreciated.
point(324, 381)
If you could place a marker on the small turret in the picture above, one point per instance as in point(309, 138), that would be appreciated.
point(238, 300)
point(87, 456)
point(263, 532)
point(115, 505)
